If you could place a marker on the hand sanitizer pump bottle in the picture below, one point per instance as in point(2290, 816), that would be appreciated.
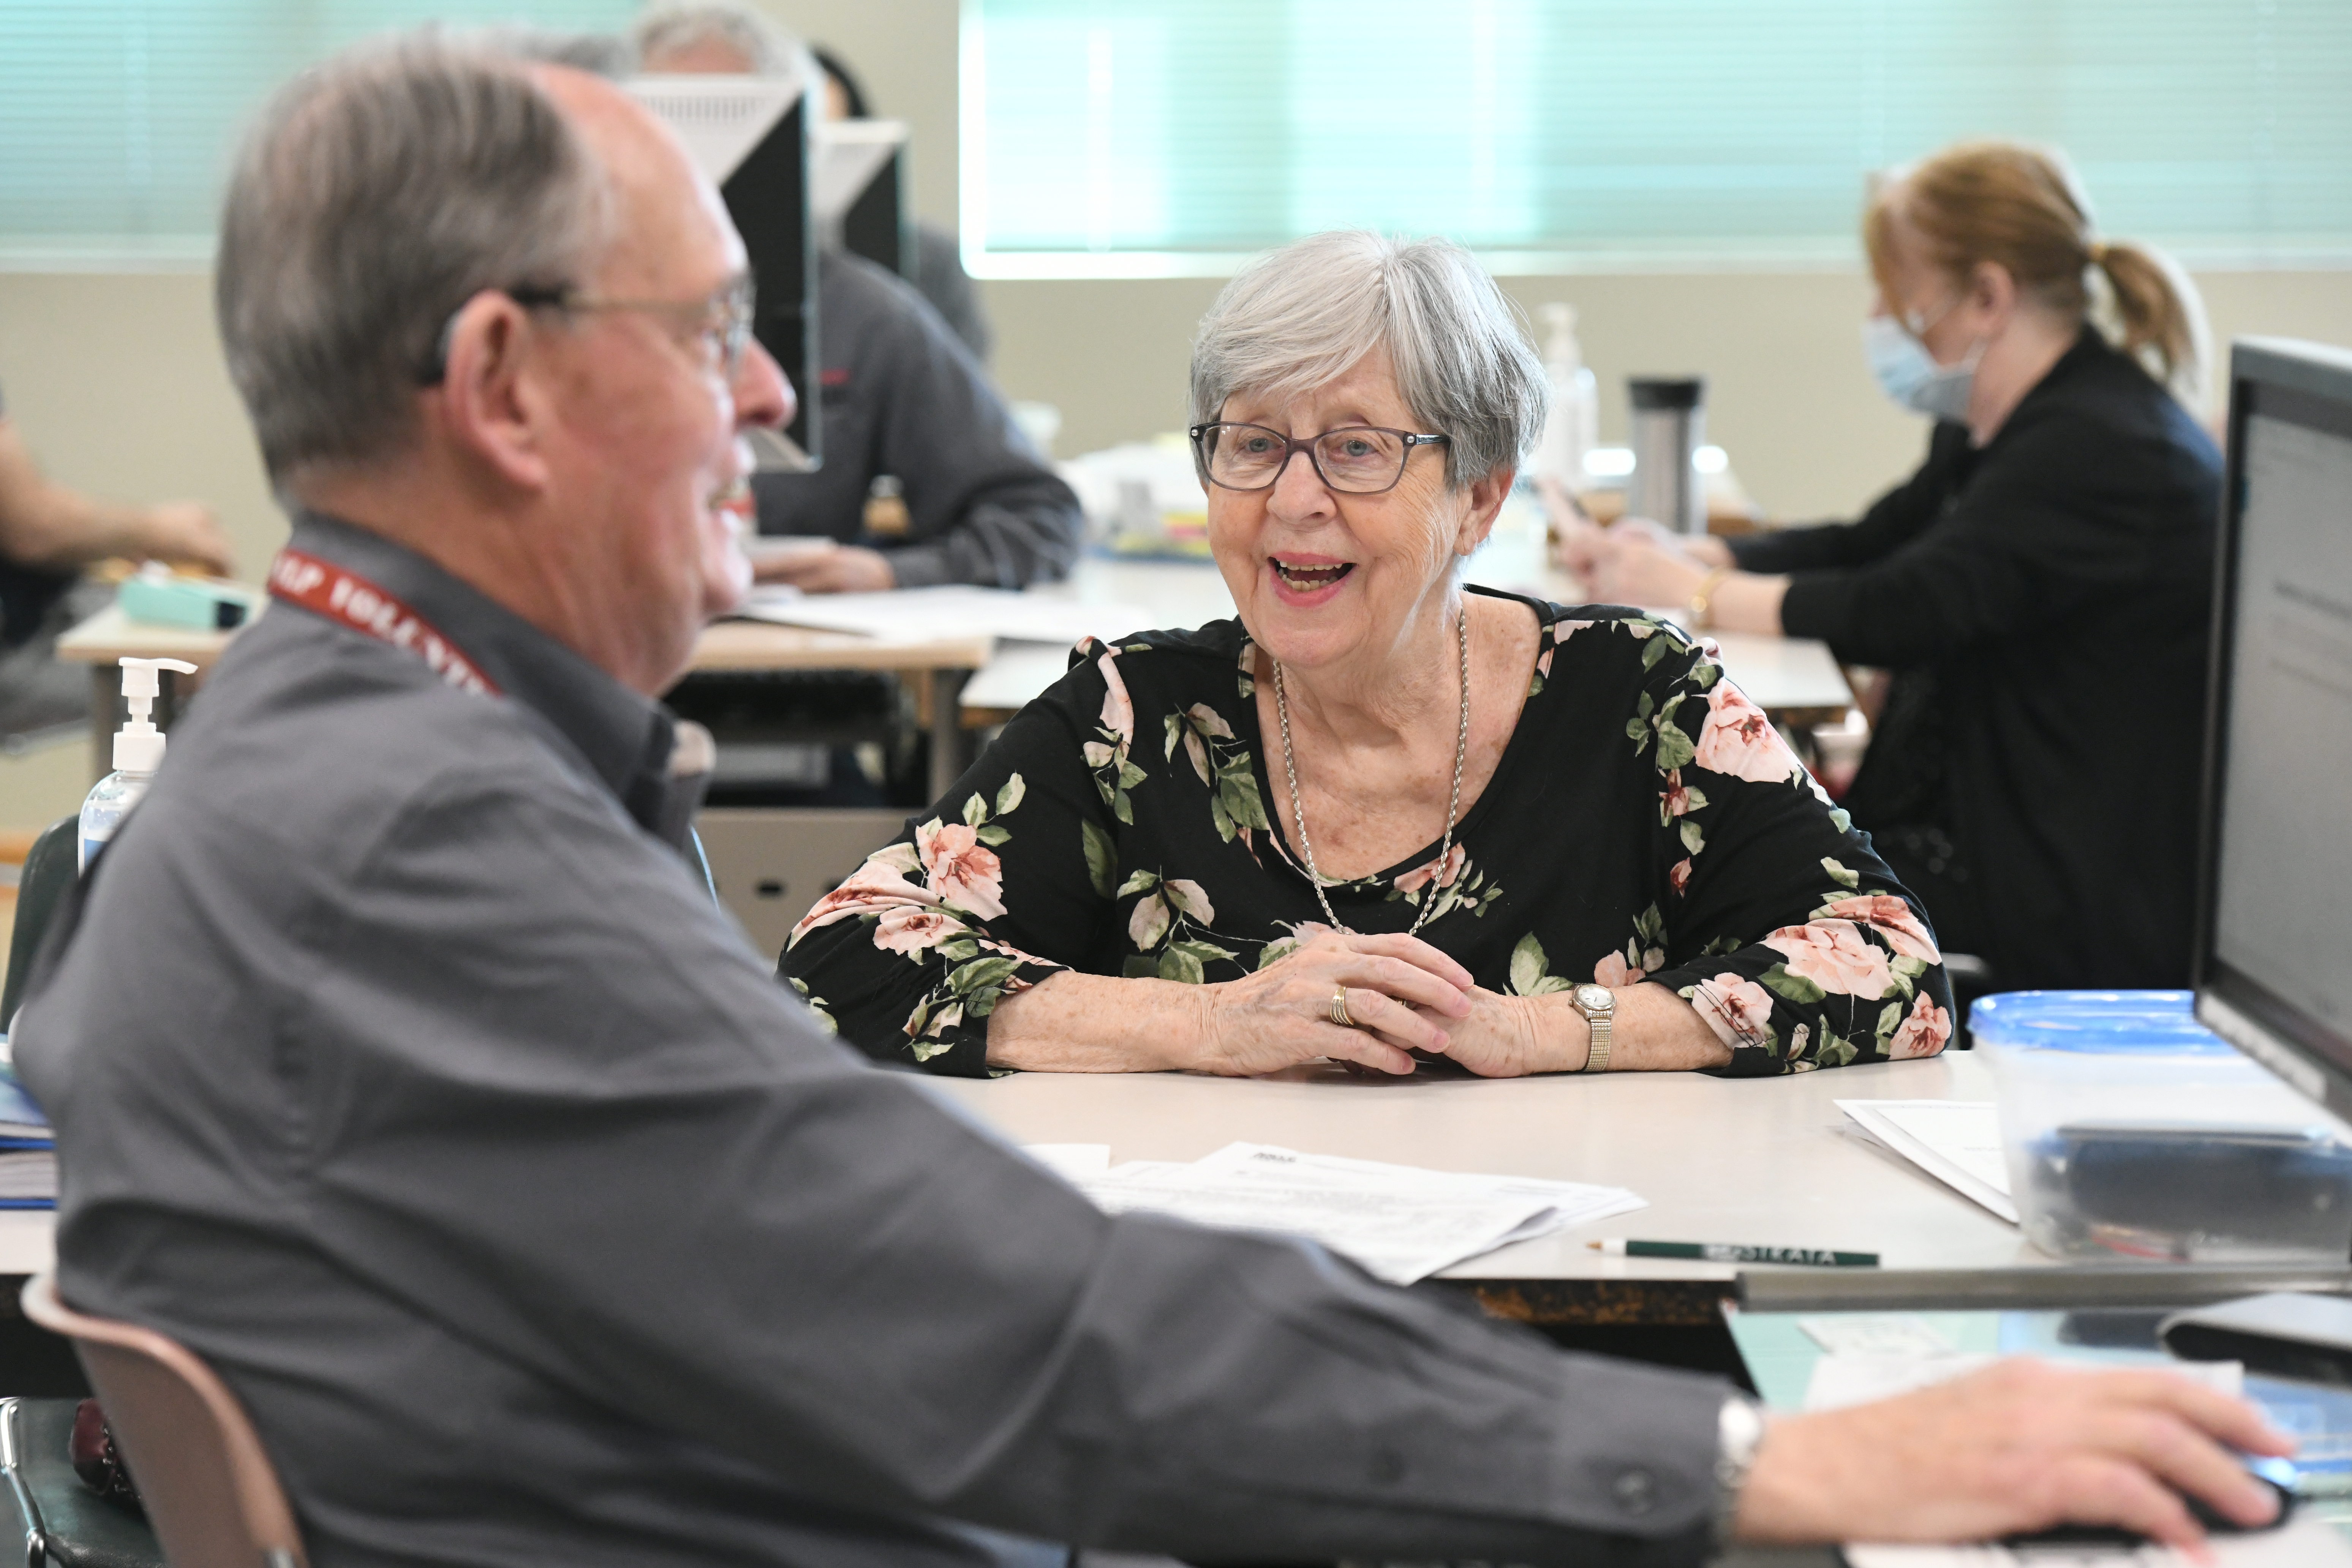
point(138, 752)
point(1573, 428)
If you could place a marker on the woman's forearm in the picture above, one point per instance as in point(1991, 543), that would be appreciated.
point(1074, 1022)
point(1746, 602)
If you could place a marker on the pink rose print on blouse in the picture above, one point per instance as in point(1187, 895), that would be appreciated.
point(1118, 712)
point(1922, 1033)
point(907, 929)
point(963, 871)
point(1891, 917)
point(876, 885)
point(1614, 972)
point(1677, 796)
point(1738, 1010)
point(1442, 872)
point(1679, 878)
point(1738, 739)
point(1833, 956)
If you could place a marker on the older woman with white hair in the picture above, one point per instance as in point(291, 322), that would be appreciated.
point(1378, 817)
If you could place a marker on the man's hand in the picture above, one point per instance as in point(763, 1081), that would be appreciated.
point(186, 534)
point(827, 569)
point(2017, 1448)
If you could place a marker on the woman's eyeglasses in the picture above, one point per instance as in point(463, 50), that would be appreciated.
point(1356, 459)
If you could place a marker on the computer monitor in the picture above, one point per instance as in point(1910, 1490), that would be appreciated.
point(860, 200)
point(750, 134)
point(2273, 954)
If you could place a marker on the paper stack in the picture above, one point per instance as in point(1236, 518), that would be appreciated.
point(1400, 1222)
point(29, 1151)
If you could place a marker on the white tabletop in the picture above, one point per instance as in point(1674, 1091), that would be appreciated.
point(27, 1240)
point(1781, 674)
point(1756, 1162)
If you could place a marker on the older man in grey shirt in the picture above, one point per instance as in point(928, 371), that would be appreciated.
point(403, 1069)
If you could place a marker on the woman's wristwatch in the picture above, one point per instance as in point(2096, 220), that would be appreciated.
point(1598, 1007)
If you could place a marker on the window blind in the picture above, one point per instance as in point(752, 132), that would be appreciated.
point(1173, 137)
point(118, 118)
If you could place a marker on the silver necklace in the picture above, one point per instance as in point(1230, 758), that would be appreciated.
point(1453, 803)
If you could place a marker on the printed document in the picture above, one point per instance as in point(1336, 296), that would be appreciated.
point(1400, 1222)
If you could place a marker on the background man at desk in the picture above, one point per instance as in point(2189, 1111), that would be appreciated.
point(905, 402)
point(442, 1112)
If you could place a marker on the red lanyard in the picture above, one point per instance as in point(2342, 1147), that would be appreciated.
point(341, 595)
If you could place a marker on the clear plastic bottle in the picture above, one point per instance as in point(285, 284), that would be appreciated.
point(1573, 428)
point(138, 752)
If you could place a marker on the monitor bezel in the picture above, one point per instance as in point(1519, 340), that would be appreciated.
point(2309, 384)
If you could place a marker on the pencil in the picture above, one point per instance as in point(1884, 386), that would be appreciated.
point(1724, 1252)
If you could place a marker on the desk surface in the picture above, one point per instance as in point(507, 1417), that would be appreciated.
point(1763, 1162)
point(1788, 677)
point(110, 635)
point(1785, 675)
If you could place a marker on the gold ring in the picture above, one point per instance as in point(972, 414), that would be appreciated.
point(1339, 1007)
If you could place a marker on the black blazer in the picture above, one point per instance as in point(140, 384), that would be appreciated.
point(2044, 602)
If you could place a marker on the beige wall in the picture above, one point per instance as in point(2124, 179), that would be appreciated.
point(117, 382)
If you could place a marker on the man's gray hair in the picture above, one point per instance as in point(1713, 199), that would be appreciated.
point(379, 192)
point(766, 47)
point(1299, 317)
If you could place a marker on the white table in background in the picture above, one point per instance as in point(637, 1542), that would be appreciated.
point(1795, 679)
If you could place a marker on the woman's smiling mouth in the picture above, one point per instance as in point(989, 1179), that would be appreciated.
point(1310, 575)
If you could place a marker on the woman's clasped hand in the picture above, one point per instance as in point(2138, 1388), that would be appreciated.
point(1402, 995)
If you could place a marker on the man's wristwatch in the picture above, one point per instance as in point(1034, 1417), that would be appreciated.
point(1598, 1004)
point(1739, 1432)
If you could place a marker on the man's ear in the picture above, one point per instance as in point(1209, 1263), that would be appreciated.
point(1486, 498)
point(489, 405)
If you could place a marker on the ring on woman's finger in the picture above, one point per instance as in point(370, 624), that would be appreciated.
point(1340, 1008)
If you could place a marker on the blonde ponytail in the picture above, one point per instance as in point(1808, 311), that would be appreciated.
point(2022, 208)
point(2159, 317)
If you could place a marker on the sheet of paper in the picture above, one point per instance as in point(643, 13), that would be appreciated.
point(1957, 1142)
point(1570, 1204)
point(2302, 1543)
point(1876, 1333)
point(924, 614)
point(1070, 1161)
point(1402, 1224)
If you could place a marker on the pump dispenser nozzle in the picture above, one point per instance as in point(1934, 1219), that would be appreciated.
point(139, 745)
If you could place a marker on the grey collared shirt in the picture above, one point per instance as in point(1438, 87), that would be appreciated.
point(402, 1072)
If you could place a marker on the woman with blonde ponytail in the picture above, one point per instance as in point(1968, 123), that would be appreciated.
point(2040, 589)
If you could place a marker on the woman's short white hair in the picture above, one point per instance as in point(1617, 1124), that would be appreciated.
point(764, 46)
point(1302, 316)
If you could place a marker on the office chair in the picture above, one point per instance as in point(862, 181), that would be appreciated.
point(48, 870)
point(210, 1490)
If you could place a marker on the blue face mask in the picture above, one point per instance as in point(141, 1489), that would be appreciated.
point(1909, 374)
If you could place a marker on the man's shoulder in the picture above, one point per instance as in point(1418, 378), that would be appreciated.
point(304, 718)
point(875, 304)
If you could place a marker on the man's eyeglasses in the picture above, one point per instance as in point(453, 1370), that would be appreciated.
point(1356, 459)
point(722, 321)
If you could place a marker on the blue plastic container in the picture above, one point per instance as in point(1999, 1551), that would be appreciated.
point(2132, 1130)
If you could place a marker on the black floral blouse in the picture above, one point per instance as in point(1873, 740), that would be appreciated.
point(1646, 821)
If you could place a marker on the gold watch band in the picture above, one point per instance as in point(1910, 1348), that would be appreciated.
point(1702, 602)
point(1600, 1020)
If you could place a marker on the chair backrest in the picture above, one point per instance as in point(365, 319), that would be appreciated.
point(50, 868)
point(210, 1490)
